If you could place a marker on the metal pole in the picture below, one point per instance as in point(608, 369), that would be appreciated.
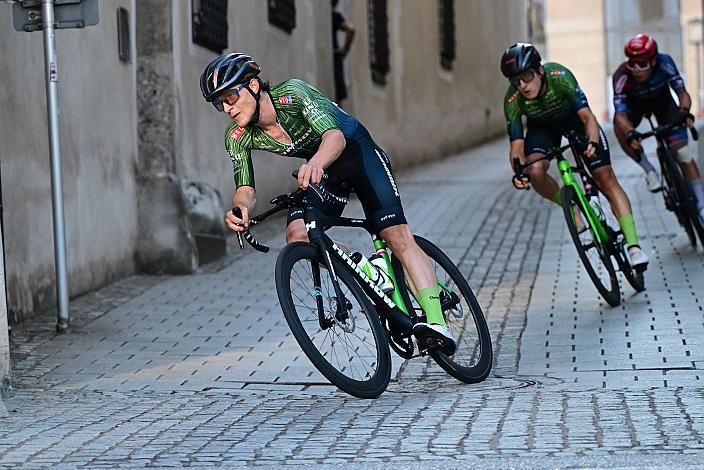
point(52, 103)
point(697, 46)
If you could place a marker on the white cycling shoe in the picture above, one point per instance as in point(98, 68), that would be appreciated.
point(638, 259)
point(431, 334)
point(652, 180)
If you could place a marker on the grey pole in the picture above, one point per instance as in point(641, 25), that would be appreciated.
point(52, 103)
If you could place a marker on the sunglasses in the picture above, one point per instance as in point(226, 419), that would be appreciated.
point(231, 95)
point(638, 65)
point(524, 77)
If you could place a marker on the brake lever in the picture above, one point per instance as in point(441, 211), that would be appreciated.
point(237, 212)
point(518, 172)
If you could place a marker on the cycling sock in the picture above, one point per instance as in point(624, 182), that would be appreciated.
point(698, 189)
point(628, 227)
point(429, 300)
point(556, 198)
point(645, 163)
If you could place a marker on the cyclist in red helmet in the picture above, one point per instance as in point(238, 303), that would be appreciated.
point(642, 84)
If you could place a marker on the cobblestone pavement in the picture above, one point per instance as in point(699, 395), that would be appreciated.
point(202, 370)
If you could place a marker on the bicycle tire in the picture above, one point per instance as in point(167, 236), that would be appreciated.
point(373, 383)
point(611, 292)
point(683, 198)
point(476, 348)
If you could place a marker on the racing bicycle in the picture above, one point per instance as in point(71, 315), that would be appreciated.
point(341, 319)
point(596, 241)
point(676, 191)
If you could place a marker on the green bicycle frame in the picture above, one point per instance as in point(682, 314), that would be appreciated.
point(595, 224)
point(379, 245)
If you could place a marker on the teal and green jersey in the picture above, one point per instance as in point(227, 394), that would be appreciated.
point(562, 99)
point(303, 112)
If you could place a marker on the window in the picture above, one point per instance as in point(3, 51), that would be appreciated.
point(651, 10)
point(282, 14)
point(447, 33)
point(378, 40)
point(210, 24)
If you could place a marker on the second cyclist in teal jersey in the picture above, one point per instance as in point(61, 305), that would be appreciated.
point(553, 103)
point(293, 119)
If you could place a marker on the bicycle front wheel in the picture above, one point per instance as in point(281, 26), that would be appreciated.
point(680, 199)
point(472, 360)
point(347, 345)
point(595, 257)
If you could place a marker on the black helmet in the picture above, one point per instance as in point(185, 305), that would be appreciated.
point(518, 58)
point(225, 72)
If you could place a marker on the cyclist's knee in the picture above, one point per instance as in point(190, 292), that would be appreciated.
point(398, 237)
point(296, 232)
point(537, 171)
point(683, 153)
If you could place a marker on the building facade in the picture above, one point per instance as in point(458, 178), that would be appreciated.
point(423, 77)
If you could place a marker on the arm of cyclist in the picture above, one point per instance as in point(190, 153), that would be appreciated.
point(592, 129)
point(685, 105)
point(517, 150)
point(331, 146)
point(244, 198)
point(622, 123)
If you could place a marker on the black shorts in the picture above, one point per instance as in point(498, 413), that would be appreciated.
point(364, 167)
point(540, 138)
point(663, 107)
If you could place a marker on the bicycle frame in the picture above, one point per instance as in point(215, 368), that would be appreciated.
point(316, 223)
point(566, 172)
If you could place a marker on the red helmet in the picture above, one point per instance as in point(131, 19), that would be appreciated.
point(641, 47)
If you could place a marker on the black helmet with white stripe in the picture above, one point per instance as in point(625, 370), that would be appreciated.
point(225, 72)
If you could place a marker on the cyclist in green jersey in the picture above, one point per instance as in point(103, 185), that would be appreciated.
point(553, 103)
point(293, 119)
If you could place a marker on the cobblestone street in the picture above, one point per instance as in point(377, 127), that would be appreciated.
point(203, 370)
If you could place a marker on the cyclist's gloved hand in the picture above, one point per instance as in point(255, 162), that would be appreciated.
point(519, 180)
point(235, 223)
point(633, 139)
point(592, 149)
point(686, 117)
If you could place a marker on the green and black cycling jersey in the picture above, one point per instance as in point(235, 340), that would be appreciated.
point(559, 104)
point(305, 114)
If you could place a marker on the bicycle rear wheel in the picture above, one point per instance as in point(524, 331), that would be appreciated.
point(472, 360)
point(595, 257)
point(351, 352)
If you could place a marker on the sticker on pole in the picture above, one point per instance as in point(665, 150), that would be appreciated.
point(52, 72)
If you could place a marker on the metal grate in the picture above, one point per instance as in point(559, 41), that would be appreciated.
point(282, 14)
point(378, 40)
point(124, 47)
point(210, 24)
point(447, 33)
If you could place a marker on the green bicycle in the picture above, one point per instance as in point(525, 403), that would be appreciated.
point(345, 323)
point(597, 242)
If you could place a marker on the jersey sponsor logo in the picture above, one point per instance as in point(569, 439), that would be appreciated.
point(621, 83)
point(236, 133)
point(513, 97)
point(557, 72)
point(286, 99)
